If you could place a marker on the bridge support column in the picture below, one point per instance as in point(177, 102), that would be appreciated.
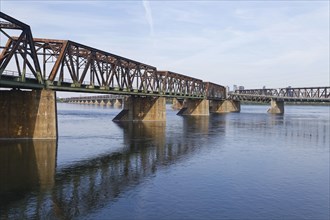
point(109, 103)
point(276, 107)
point(118, 103)
point(225, 106)
point(177, 104)
point(195, 107)
point(28, 114)
point(143, 109)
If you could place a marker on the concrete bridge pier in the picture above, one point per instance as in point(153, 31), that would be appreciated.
point(28, 114)
point(177, 104)
point(109, 103)
point(195, 107)
point(118, 103)
point(137, 108)
point(225, 106)
point(276, 107)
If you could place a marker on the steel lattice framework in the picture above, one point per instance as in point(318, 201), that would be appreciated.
point(21, 47)
point(306, 94)
point(71, 66)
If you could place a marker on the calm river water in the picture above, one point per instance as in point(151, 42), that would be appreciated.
point(248, 165)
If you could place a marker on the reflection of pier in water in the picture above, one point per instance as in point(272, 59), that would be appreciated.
point(82, 188)
point(25, 165)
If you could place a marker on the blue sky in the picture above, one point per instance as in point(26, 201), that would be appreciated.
point(249, 43)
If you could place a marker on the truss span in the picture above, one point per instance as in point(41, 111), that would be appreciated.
point(65, 65)
point(306, 94)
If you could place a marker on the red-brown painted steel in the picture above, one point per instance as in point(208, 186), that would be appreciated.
point(71, 66)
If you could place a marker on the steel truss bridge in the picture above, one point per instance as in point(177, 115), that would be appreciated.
point(64, 65)
point(308, 94)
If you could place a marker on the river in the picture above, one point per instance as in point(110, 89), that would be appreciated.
point(248, 165)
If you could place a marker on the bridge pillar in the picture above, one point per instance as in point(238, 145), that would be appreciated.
point(225, 106)
point(118, 103)
point(177, 104)
point(276, 107)
point(195, 107)
point(28, 114)
point(143, 109)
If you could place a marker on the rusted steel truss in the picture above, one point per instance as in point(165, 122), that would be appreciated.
point(21, 47)
point(70, 66)
point(306, 94)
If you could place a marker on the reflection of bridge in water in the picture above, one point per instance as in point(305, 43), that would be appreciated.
point(79, 189)
point(86, 186)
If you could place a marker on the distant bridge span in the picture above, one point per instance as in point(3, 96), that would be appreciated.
point(303, 94)
point(277, 97)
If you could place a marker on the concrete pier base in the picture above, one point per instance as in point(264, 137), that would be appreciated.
point(225, 106)
point(195, 107)
point(28, 114)
point(143, 109)
point(276, 107)
point(177, 104)
point(109, 103)
point(118, 103)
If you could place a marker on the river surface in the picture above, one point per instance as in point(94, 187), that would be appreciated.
point(248, 165)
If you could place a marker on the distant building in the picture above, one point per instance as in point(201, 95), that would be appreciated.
point(235, 88)
point(241, 87)
point(289, 91)
point(228, 88)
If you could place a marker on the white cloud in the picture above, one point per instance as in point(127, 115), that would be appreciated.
point(148, 15)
